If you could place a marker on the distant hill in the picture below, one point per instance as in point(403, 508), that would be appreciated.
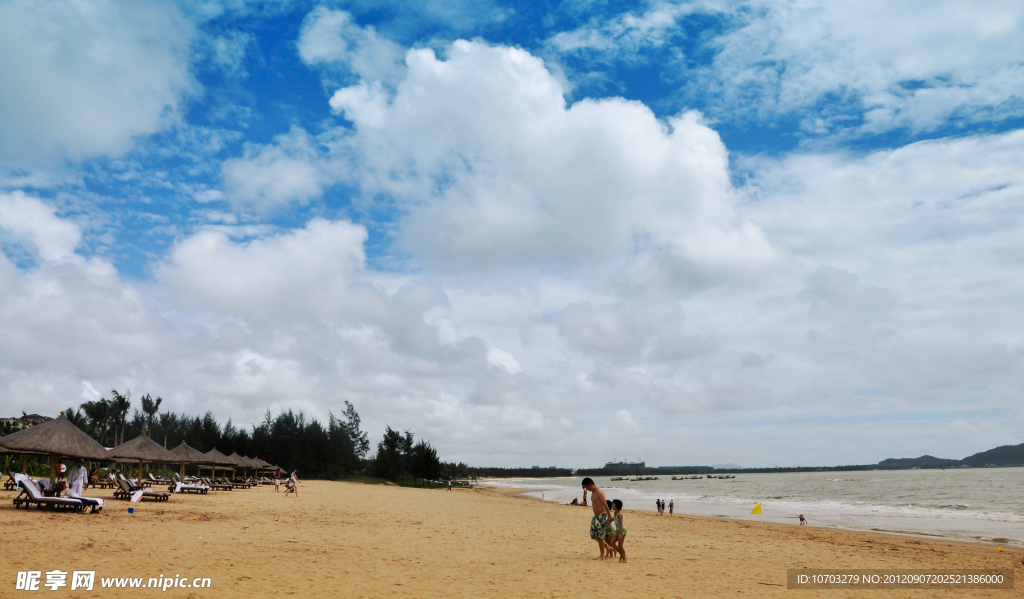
point(925, 461)
point(1005, 455)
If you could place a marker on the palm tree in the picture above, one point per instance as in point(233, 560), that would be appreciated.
point(121, 405)
point(100, 414)
point(150, 407)
point(167, 422)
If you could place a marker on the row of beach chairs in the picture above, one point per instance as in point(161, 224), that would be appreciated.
point(124, 489)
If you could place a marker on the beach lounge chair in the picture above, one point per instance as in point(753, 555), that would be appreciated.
point(180, 487)
point(30, 494)
point(159, 480)
point(10, 484)
point(103, 483)
point(236, 485)
point(125, 490)
point(217, 486)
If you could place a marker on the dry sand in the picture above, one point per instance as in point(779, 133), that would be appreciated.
point(353, 540)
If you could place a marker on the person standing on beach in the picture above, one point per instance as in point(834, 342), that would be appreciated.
point(599, 523)
point(802, 520)
point(611, 532)
point(671, 506)
point(77, 479)
point(620, 528)
point(449, 486)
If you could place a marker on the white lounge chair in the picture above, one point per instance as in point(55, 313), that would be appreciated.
point(180, 487)
point(30, 494)
point(126, 489)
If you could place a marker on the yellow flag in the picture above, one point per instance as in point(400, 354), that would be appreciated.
point(757, 509)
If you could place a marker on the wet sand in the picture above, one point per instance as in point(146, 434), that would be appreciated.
point(353, 540)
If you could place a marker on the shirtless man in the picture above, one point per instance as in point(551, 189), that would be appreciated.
point(599, 522)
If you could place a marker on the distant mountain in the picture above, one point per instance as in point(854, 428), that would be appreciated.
point(1007, 455)
point(925, 461)
point(1000, 456)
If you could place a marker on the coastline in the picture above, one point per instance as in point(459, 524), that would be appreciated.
point(521, 493)
point(384, 541)
point(972, 506)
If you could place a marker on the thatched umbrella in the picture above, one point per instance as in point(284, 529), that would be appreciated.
point(238, 462)
point(143, 449)
point(263, 465)
point(252, 463)
point(55, 438)
point(215, 458)
point(188, 455)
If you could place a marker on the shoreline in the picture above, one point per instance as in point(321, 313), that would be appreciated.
point(521, 493)
point(967, 506)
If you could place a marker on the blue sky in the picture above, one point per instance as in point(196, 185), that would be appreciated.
point(696, 232)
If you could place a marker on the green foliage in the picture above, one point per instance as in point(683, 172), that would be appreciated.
point(289, 440)
point(392, 456)
point(150, 407)
point(398, 456)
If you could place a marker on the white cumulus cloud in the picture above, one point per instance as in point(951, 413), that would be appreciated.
point(81, 79)
point(493, 168)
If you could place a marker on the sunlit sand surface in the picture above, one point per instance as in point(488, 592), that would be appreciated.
point(353, 540)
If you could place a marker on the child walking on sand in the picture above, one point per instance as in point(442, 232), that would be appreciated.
point(599, 523)
point(620, 529)
point(611, 531)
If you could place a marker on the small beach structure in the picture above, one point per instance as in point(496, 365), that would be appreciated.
point(187, 454)
point(239, 463)
point(142, 449)
point(215, 458)
point(55, 438)
point(252, 464)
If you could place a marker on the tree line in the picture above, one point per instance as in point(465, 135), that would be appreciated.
point(336, 449)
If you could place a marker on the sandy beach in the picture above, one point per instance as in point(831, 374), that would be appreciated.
point(355, 540)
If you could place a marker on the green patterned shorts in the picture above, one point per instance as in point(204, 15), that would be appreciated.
point(598, 524)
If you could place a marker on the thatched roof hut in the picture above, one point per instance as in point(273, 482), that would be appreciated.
point(187, 454)
point(190, 455)
point(144, 449)
point(263, 465)
point(57, 437)
point(215, 457)
point(238, 461)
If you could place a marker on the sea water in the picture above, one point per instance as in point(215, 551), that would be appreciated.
point(978, 504)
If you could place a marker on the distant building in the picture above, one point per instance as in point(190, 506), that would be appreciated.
point(16, 423)
point(625, 465)
point(535, 467)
